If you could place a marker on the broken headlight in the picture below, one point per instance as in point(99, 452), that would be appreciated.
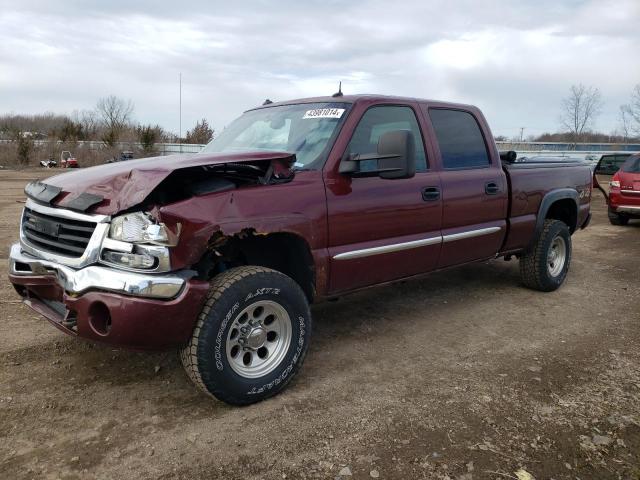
point(140, 227)
point(131, 260)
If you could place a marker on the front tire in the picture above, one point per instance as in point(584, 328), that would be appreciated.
point(251, 336)
point(617, 218)
point(544, 267)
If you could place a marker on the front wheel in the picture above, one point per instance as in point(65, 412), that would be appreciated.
point(544, 267)
point(251, 336)
point(617, 218)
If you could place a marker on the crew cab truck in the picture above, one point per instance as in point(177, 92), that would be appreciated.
point(220, 254)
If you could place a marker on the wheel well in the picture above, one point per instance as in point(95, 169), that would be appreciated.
point(285, 252)
point(564, 210)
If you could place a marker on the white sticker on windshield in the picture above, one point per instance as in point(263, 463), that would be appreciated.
point(324, 113)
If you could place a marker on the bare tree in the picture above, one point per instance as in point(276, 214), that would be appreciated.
point(625, 122)
point(630, 114)
point(115, 114)
point(580, 110)
point(89, 123)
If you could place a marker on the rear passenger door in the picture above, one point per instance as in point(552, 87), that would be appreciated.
point(474, 187)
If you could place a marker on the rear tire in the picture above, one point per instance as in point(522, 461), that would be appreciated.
point(251, 336)
point(544, 267)
point(617, 218)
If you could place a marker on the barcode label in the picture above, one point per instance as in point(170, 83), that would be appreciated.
point(324, 113)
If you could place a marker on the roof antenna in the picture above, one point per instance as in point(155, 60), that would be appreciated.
point(267, 102)
point(339, 92)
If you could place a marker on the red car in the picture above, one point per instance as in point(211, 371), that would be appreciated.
point(67, 160)
point(624, 195)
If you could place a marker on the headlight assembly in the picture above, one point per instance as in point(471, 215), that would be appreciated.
point(140, 227)
point(136, 241)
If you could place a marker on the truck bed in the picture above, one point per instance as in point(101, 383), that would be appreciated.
point(529, 182)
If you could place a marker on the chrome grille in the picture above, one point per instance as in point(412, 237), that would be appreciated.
point(57, 235)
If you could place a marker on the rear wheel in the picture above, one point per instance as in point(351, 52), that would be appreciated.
point(617, 218)
point(251, 336)
point(544, 267)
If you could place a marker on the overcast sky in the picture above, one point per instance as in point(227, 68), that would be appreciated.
point(515, 59)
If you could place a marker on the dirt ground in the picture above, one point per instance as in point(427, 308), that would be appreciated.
point(464, 374)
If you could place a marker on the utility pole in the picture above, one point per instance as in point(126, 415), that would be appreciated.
point(522, 133)
point(180, 102)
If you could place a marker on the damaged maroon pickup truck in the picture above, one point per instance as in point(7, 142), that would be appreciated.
point(219, 254)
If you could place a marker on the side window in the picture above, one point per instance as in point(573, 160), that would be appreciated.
point(460, 139)
point(379, 120)
point(620, 159)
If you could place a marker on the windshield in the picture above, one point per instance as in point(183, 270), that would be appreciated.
point(304, 129)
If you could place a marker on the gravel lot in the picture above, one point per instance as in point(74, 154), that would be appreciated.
point(464, 374)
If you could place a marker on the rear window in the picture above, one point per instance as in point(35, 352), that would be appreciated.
point(459, 138)
point(632, 165)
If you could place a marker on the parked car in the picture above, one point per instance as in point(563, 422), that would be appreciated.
point(624, 192)
point(67, 160)
point(220, 253)
point(122, 157)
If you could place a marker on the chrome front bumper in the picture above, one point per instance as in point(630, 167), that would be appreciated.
point(95, 277)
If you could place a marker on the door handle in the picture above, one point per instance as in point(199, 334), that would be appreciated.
point(491, 188)
point(430, 194)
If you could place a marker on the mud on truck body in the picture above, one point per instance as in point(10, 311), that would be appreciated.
point(220, 254)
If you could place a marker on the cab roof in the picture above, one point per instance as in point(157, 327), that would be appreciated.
point(363, 97)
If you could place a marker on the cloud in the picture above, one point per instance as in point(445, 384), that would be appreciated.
point(516, 60)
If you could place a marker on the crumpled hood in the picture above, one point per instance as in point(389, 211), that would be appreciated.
point(110, 188)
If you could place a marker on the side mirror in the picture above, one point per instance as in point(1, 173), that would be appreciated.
point(396, 156)
point(509, 156)
point(403, 144)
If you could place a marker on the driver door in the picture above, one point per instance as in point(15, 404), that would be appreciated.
point(383, 229)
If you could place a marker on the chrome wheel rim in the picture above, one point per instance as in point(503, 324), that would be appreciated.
point(258, 339)
point(557, 256)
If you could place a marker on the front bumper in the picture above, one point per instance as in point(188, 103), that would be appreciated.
point(95, 277)
point(133, 310)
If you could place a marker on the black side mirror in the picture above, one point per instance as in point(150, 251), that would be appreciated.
point(403, 144)
point(396, 156)
point(509, 156)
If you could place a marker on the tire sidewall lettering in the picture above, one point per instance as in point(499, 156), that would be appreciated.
point(262, 291)
point(290, 367)
point(221, 330)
